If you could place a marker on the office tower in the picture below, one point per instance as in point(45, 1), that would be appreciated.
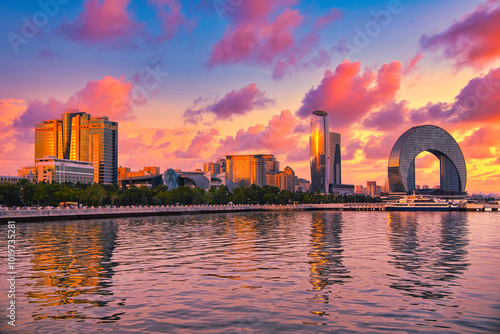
point(335, 158)
point(245, 170)
point(80, 137)
point(318, 143)
point(372, 188)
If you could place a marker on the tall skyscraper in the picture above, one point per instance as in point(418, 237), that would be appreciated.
point(335, 158)
point(318, 143)
point(245, 170)
point(79, 136)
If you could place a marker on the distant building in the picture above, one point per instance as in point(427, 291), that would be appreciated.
point(283, 180)
point(150, 170)
point(217, 167)
point(122, 173)
point(79, 136)
point(335, 158)
point(4, 179)
point(302, 185)
point(245, 170)
point(27, 172)
point(372, 188)
point(358, 189)
point(52, 169)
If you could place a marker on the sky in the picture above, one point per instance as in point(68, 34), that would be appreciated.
point(191, 81)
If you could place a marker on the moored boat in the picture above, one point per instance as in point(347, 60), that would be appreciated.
point(422, 203)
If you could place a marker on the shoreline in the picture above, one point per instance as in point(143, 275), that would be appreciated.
point(171, 210)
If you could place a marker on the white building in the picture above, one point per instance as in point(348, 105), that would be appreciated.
point(51, 169)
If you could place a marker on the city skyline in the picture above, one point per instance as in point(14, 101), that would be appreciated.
point(185, 92)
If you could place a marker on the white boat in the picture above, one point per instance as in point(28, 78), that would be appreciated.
point(422, 203)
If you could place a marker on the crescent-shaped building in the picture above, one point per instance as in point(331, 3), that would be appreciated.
point(433, 139)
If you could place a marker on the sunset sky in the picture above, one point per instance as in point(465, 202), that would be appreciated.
point(191, 81)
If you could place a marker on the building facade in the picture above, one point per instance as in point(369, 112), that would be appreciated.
point(52, 169)
point(81, 137)
point(245, 170)
point(335, 159)
point(319, 152)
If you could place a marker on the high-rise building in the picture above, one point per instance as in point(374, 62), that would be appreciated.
point(79, 136)
point(318, 143)
point(245, 170)
point(372, 188)
point(335, 158)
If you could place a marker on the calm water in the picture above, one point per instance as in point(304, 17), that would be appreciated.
point(305, 272)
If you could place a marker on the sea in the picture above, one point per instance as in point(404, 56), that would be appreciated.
point(272, 272)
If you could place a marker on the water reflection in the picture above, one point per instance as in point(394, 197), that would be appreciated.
point(72, 266)
point(432, 256)
point(326, 259)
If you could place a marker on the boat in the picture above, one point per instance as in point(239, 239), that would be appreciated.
point(422, 203)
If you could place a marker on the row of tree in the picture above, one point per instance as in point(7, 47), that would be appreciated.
point(52, 194)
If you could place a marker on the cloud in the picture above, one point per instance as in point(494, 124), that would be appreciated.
point(391, 116)
point(474, 40)
point(235, 103)
point(412, 64)
point(254, 38)
point(169, 12)
point(200, 144)
point(102, 21)
point(276, 137)
point(348, 95)
point(477, 102)
point(109, 23)
point(477, 145)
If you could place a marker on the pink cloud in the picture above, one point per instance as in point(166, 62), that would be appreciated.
point(102, 21)
point(254, 38)
point(348, 95)
point(200, 144)
point(477, 145)
point(391, 116)
point(277, 137)
point(477, 102)
point(412, 64)
point(474, 40)
point(169, 12)
point(235, 103)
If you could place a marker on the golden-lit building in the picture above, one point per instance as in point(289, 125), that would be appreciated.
point(82, 137)
point(245, 170)
point(283, 180)
point(27, 172)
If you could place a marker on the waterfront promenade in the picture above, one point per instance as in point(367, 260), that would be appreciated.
point(60, 213)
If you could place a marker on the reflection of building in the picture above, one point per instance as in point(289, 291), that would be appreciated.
point(73, 263)
point(245, 170)
point(318, 143)
point(79, 136)
point(433, 139)
point(51, 169)
point(326, 255)
point(432, 255)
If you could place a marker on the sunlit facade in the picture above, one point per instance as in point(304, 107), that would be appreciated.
point(52, 169)
point(319, 140)
point(335, 159)
point(245, 170)
point(79, 136)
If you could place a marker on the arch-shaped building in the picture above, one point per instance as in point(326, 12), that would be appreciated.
point(433, 139)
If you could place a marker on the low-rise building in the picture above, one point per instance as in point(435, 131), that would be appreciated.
point(51, 169)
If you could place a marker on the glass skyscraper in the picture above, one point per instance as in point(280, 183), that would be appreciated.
point(318, 142)
point(79, 136)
